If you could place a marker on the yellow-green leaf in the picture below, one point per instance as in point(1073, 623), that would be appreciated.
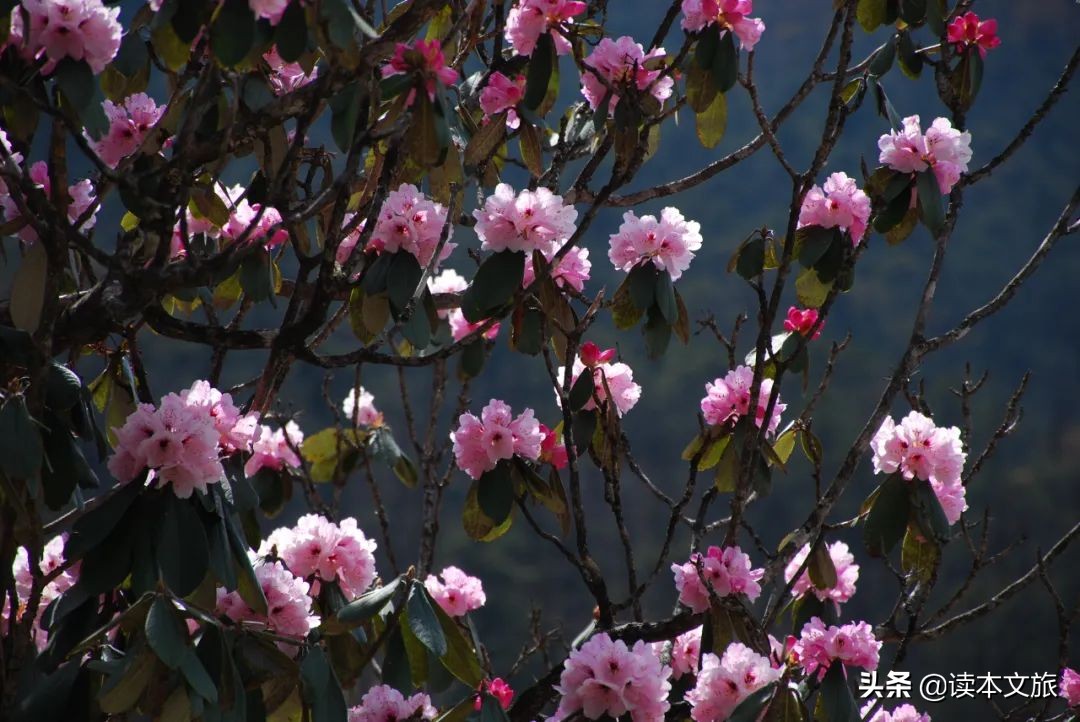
point(28, 288)
point(712, 122)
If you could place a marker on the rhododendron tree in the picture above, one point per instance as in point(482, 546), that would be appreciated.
point(412, 200)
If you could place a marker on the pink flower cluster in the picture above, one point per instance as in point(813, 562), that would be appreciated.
point(918, 449)
point(383, 703)
point(446, 281)
point(572, 270)
point(246, 215)
point(235, 430)
point(527, 221)
point(847, 573)
point(77, 29)
point(1069, 688)
point(801, 320)
point(529, 19)
point(727, 571)
point(274, 449)
point(52, 558)
point(685, 653)
point(669, 243)
point(943, 148)
point(839, 204)
point(271, 10)
point(287, 601)
point(552, 451)
point(481, 443)
point(359, 408)
point(903, 713)
point(612, 380)
point(605, 677)
point(129, 122)
point(317, 547)
point(425, 58)
point(286, 77)
point(730, 15)
point(82, 198)
point(728, 399)
point(497, 688)
point(501, 94)
point(455, 591)
point(726, 681)
point(620, 62)
point(409, 221)
point(852, 644)
point(16, 158)
point(968, 31)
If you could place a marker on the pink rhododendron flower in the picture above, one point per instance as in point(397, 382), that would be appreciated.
point(669, 242)
point(608, 376)
point(501, 94)
point(552, 450)
point(17, 159)
point(847, 573)
point(918, 449)
point(455, 591)
point(685, 652)
point(359, 408)
point(605, 677)
point(348, 243)
point(726, 681)
point(728, 399)
point(852, 644)
point(236, 431)
point(275, 449)
point(903, 713)
point(481, 443)
point(246, 215)
point(943, 148)
point(730, 15)
point(129, 123)
point(497, 688)
point(1069, 688)
point(727, 571)
point(527, 221)
point(52, 558)
point(77, 29)
point(840, 204)
point(571, 271)
point(460, 327)
point(529, 19)
point(425, 58)
point(967, 31)
point(411, 222)
point(317, 547)
point(271, 10)
point(801, 320)
point(287, 601)
point(383, 703)
point(620, 62)
point(82, 198)
point(446, 281)
point(286, 77)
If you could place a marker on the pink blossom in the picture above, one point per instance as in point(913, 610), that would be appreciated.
point(383, 703)
point(727, 571)
point(572, 270)
point(620, 62)
point(275, 449)
point(847, 573)
point(82, 198)
point(529, 19)
point(446, 282)
point(129, 123)
point(552, 451)
point(852, 644)
point(236, 431)
point(317, 547)
point(728, 399)
point(460, 327)
point(669, 242)
point(424, 58)
point(801, 320)
point(1069, 688)
point(410, 221)
point(605, 677)
point(726, 681)
point(501, 94)
point(456, 592)
point(52, 558)
point(481, 443)
point(246, 215)
point(608, 376)
point(527, 221)
point(359, 408)
point(286, 77)
point(497, 688)
point(918, 449)
point(966, 31)
point(903, 713)
point(17, 159)
point(348, 243)
point(76, 29)
point(943, 148)
point(840, 204)
point(730, 15)
point(271, 10)
point(287, 601)
point(685, 652)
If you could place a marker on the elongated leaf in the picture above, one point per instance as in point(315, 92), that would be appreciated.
point(233, 32)
point(541, 64)
point(20, 440)
point(322, 692)
point(495, 492)
point(888, 517)
point(368, 605)
point(725, 65)
point(835, 698)
point(166, 634)
point(931, 208)
point(494, 285)
point(750, 708)
point(927, 513)
point(291, 33)
point(918, 556)
point(28, 289)
point(870, 14)
point(711, 122)
point(821, 568)
point(183, 554)
point(345, 113)
point(422, 620)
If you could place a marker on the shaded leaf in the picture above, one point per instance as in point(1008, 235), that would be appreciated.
point(888, 517)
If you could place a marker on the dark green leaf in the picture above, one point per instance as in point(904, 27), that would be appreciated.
point(48, 697)
point(582, 390)
point(935, 17)
point(67, 467)
point(749, 710)
point(888, 517)
point(883, 58)
point(257, 275)
point(195, 673)
point(495, 492)
point(665, 298)
point(20, 440)
point(492, 711)
point(707, 44)
point(541, 64)
point(498, 277)
point(657, 333)
point(641, 283)
point(422, 620)
point(927, 513)
point(322, 692)
point(166, 634)
point(751, 259)
point(813, 242)
point(290, 36)
point(581, 431)
point(725, 64)
point(96, 524)
point(472, 359)
point(183, 553)
point(402, 279)
point(63, 389)
point(368, 605)
point(28, 289)
point(821, 568)
point(105, 566)
point(835, 696)
point(528, 332)
point(233, 32)
point(913, 12)
point(345, 113)
point(931, 208)
point(910, 61)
